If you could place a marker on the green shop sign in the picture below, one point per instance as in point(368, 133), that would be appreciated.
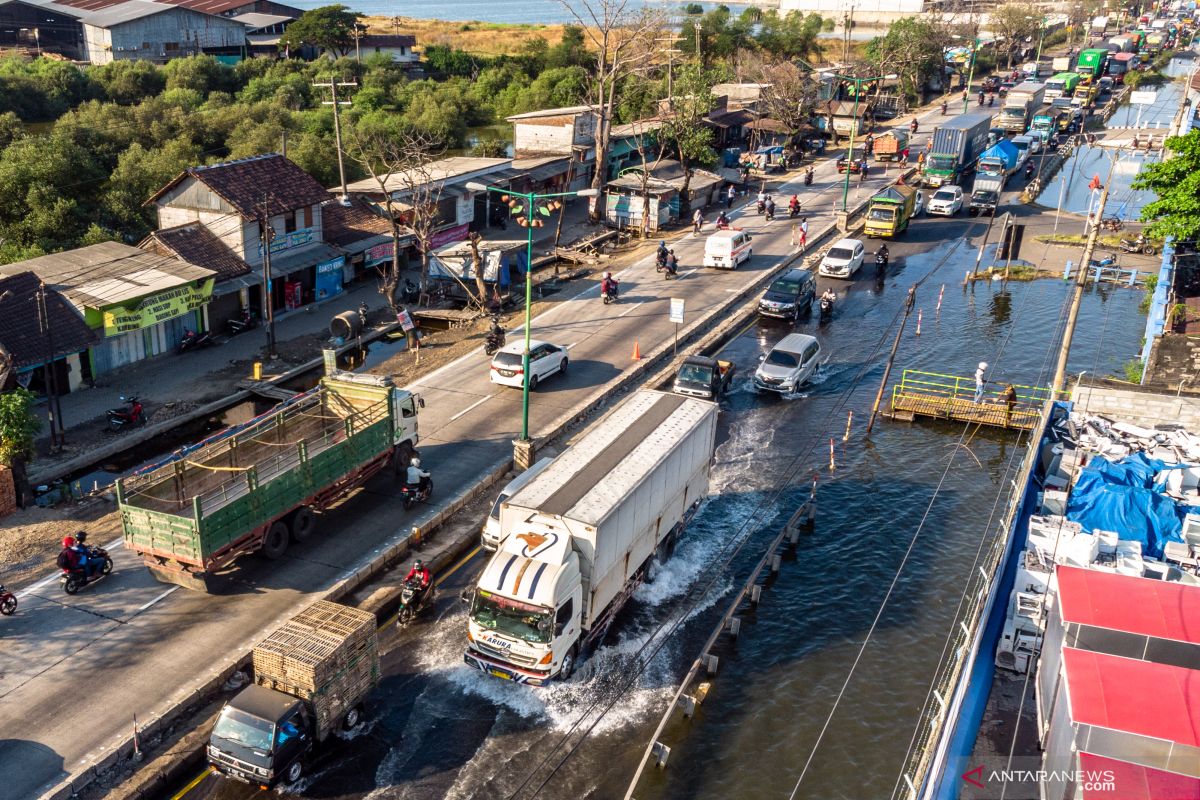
point(156, 308)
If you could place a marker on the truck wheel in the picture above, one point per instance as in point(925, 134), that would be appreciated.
point(293, 772)
point(403, 454)
point(567, 669)
point(302, 523)
point(275, 543)
point(352, 718)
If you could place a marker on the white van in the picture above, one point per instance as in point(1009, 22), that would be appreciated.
point(491, 528)
point(727, 249)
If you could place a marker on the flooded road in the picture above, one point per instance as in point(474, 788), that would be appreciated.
point(910, 505)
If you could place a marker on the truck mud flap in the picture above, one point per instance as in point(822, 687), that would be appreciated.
point(196, 581)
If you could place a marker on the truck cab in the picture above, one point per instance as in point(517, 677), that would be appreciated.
point(260, 737)
point(709, 378)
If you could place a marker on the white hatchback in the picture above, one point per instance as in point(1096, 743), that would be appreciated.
point(545, 359)
point(843, 259)
point(946, 201)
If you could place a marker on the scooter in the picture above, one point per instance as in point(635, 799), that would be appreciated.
point(670, 271)
point(808, 177)
point(193, 341)
point(8, 602)
point(793, 211)
point(242, 323)
point(722, 223)
point(609, 295)
point(411, 495)
point(72, 580)
point(881, 260)
point(1109, 260)
point(826, 309)
point(770, 212)
point(408, 609)
point(493, 342)
point(1138, 245)
point(133, 414)
point(760, 207)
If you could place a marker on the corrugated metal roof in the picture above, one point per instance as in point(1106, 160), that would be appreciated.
point(127, 11)
point(255, 20)
point(446, 169)
point(1143, 606)
point(550, 112)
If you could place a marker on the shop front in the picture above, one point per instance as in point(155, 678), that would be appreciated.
point(147, 326)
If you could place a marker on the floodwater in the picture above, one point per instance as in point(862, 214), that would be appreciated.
point(907, 510)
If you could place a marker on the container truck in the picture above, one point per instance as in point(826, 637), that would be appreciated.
point(1120, 65)
point(1022, 100)
point(891, 144)
point(1061, 64)
point(1001, 159)
point(1061, 85)
point(1124, 44)
point(579, 538)
point(310, 677)
point(1091, 62)
point(956, 146)
point(255, 487)
point(890, 211)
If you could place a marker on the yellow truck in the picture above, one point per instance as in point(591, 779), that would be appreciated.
point(890, 211)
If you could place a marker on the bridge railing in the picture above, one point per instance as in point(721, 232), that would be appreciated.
point(935, 386)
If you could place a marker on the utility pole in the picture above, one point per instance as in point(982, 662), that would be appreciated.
point(337, 124)
point(58, 436)
point(283, 144)
point(1060, 370)
point(909, 302)
point(268, 236)
point(847, 24)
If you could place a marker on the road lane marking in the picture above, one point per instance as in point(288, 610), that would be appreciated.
point(631, 308)
point(464, 560)
point(473, 406)
point(144, 606)
point(192, 784)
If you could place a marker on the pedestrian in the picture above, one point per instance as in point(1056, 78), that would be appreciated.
point(1010, 400)
point(904, 157)
point(921, 159)
point(729, 195)
point(862, 171)
point(979, 381)
point(697, 221)
point(803, 234)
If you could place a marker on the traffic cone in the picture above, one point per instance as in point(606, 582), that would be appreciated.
point(637, 351)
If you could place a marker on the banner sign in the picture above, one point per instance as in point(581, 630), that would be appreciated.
point(676, 315)
point(447, 235)
point(157, 308)
point(1143, 98)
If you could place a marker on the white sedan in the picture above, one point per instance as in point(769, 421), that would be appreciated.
point(545, 359)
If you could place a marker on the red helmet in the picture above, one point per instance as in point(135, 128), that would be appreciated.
point(68, 541)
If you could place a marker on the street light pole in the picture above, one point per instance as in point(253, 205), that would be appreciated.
point(850, 152)
point(970, 76)
point(1041, 38)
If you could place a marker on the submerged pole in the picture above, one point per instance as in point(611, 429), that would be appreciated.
point(887, 371)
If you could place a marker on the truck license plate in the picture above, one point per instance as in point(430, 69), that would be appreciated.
point(500, 674)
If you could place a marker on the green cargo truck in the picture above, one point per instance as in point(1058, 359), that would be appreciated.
point(256, 486)
point(1091, 62)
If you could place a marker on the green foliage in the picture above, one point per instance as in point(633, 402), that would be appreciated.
point(40, 89)
point(1176, 185)
point(911, 48)
point(490, 148)
point(793, 35)
point(18, 425)
point(1144, 78)
point(330, 28)
point(1150, 284)
point(11, 128)
point(442, 61)
point(1132, 370)
point(692, 9)
point(128, 82)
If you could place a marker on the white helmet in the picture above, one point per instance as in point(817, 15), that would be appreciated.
point(416, 462)
point(983, 365)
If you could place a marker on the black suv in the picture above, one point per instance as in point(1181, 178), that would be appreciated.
point(790, 296)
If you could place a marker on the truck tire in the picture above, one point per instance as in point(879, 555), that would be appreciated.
point(567, 668)
point(302, 523)
point(275, 543)
point(401, 455)
point(352, 719)
point(294, 772)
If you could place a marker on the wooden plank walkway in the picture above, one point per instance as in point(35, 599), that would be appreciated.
point(909, 405)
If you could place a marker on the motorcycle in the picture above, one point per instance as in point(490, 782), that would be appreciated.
point(826, 309)
point(609, 294)
point(1109, 260)
point(72, 580)
point(8, 602)
point(133, 414)
point(670, 272)
point(193, 341)
point(760, 207)
point(1029, 170)
point(881, 261)
point(722, 223)
point(493, 342)
point(808, 177)
point(412, 494)
point(793, 211)
point(242, 323)
point(770, 212)
point(1138, 245)
point(408, 592)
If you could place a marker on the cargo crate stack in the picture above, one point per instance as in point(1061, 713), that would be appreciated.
point(328, 655)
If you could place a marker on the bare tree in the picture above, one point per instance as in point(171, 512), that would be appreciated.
point(622, 34)
point(1013, 23)
point(399, 161)
point(645, 135)
point(790, 94)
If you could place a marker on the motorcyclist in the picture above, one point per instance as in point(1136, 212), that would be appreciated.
point(1029, 170)
point(73, 557)
point(672, 263)
point(421, 574)
point(881, 255)
point(660, 255)
point(981, 97)
point(495, 336)
point(610, 285)
point(770, 208)
point(808, 176)
point(912, 126)
point(828, 298)
point(794, 206)
point(416, 476)
point(944, 108)
point(722, 221)
point(763, 199)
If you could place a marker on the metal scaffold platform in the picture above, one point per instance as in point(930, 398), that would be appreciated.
point(950, 397)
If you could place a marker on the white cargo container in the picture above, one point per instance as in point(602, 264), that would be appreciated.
point(579, 537)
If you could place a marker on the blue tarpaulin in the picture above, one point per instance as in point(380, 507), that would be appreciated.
point(1119, 496)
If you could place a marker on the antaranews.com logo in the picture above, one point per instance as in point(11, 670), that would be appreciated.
point(1021, 781)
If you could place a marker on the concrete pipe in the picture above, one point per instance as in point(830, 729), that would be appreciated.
point(345, 325)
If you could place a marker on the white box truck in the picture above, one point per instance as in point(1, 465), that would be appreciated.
point(578, 539)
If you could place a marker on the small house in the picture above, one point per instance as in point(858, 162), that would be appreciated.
point(656, 198)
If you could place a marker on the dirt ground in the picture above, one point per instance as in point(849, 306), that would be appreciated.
point(31, 538)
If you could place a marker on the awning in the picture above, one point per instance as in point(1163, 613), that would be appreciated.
point(363, 245)
point(234, 285)
point(285, 263)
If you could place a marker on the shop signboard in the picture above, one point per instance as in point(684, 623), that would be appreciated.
point(380, 252)
point(153, 309)
point(447, 235)
point(329, 277)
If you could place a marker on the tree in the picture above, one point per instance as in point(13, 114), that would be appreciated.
point(126, 82)
point(331, 28)
point(1014, 23)
point(621, 35)
point(790, 94)
point(683, 129)
point(398, 160)
point(18, 425)
point(1175, 182)
point(793, 35)
point(912, 48)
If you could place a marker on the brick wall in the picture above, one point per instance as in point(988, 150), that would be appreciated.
point(1140, 406)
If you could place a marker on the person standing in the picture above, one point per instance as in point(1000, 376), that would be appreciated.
point(697, 221)
point(803, 234)
point(729, 195)
point(979, 381)
point(1010, 401)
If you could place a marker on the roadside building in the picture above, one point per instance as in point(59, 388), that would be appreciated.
point(196, 244)
point(137, 303)
point(236, 202)
point(363, 234)
point(627, 143)
point(37, 28)
point(263, 33)
point(155, 31)
point(397, 47)
point(30, 340)
point(626, 205)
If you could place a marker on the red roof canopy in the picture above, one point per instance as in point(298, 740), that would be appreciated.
point(1133, 781)
point(1145, 606)
point(1139, 697)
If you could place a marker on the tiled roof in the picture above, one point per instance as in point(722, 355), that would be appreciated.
point(343, 225)
point(387, 40)
point(197, 245)
point(20, 324)
point(248, 183)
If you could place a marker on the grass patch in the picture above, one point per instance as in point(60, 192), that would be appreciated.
point(1151, 283)
point(1132, 370)
point(1110, 240)
point(478, 38)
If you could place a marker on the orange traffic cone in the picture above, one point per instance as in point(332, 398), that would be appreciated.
point(637, 351)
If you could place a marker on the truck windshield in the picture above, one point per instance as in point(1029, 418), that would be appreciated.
point(241, 728)
point(1013, 112)
point(524, 621)
point(694, 373)
point(882, 213)
point(941, 163)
